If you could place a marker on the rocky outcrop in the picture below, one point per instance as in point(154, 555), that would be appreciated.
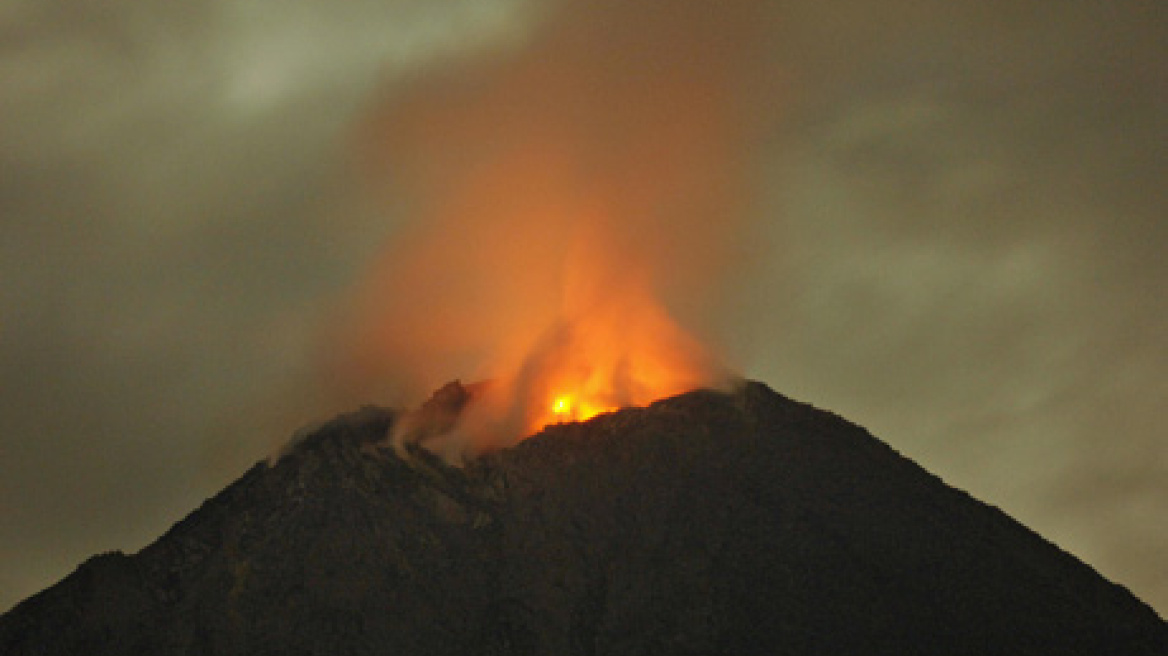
point(707, 523)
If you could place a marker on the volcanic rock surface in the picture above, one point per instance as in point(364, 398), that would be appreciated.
point(707, 523)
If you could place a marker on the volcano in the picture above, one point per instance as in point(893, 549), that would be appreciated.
point(707, 523)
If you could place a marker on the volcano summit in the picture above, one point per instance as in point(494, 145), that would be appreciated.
point(706, 523)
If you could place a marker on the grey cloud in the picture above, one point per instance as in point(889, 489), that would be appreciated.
point(972, 226)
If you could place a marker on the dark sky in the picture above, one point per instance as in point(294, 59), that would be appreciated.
point(959, 245)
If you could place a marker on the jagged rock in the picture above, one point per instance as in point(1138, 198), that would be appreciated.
point(707, 523)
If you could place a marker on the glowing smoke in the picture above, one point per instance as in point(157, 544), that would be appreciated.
point(567, 201)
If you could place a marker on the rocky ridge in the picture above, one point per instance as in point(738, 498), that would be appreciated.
point(707, 523)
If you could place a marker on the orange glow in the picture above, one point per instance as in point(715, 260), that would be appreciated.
point(591, 372)
point(553, 206)
point(562, 405)
point(562, 408)
point(569, 407)
point(612, 346)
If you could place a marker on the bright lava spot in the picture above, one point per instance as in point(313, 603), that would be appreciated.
point(562, 407)
point(569, 407)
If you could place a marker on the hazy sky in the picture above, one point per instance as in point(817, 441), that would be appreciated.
point(959, 245)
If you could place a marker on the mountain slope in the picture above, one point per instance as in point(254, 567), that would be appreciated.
point(707, 523)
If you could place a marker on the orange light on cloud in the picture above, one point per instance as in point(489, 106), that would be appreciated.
point(558, 205)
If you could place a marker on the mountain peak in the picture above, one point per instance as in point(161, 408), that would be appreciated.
point(706, 523)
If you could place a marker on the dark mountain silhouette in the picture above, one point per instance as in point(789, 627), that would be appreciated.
point(707, 523)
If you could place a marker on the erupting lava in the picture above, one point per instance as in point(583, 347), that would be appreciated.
point(562, 407)
point(574, 406)
point(569, 407)
point(620, 349)
point(624, 351)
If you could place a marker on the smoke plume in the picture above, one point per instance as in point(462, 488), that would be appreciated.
point(567, 203)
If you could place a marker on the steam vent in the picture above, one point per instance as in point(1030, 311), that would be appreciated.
point(707, 523)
